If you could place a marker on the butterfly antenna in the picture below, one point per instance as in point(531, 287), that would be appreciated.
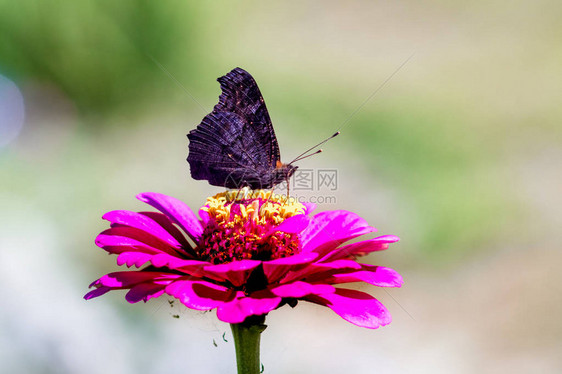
point(300, 157)
point(307, 156)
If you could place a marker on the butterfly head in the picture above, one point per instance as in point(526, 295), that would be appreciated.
point(283, 172)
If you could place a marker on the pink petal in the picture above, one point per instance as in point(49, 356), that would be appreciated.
point(361, 248)
point(236, 272)
point(329, 229)
point(97, 292)
point(168, 225)
point(133, 258)
point(276, 269)
point(197, 269)
point(205, 217)
point(237, 310)
point(318, 271)
point(300, 289)
point(122, 239)
point(145, 292)
point(375, 275)
point(338, 264)
point(176, 210)
point(141, 222)
point(127, 279)
point(199, 295)
point(309, 207)
point(175, 263)
point(138, 259)
point(292, 225)
point(172, 262)
point(356, 307)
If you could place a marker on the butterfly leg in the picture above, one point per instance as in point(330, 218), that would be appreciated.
point(270, 193)
point(238, 193)
point(287, 180)
point(268, 198)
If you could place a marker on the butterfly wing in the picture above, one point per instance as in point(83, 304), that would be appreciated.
point(224, 150)
point(235, 144)
point(241, 95)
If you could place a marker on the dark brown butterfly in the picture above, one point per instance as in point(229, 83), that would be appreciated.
point(235, 145)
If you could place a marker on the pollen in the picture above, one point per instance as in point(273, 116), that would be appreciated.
point(242, 226)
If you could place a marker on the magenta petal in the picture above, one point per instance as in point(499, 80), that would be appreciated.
point(292, 225)
point(145, 292)
point(329, 229)
point(300, 289)
point(165, 260)
point(316, 272)
point(375, 275)
point(133, 258)
point(141, 222)
point(361, 248)
point(172, 262)
point(168, 225)
point(309, 207)
point(194, 268)
point(205, 217)
point(176, 210)
point(199, 295)
point(275, 269)
point(118, 244)
point(237, 310)
point(236, 272)
point(97, 292)
point(122, 239)
point(356, 307)
point(197, 269)
point(126, 279)
point(338, 264)
point(298, 259)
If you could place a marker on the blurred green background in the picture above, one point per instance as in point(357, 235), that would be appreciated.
point(459, 154)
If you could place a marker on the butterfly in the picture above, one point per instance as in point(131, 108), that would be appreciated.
point(235, 146)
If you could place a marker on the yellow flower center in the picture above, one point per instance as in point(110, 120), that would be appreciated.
point(242, 223)
point(259, 205)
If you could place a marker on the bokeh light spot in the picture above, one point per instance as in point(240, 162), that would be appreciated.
point(12, 111)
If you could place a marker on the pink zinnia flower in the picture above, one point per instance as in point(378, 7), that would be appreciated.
point(245, 257)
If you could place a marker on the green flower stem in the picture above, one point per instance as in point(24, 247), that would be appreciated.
point(247, 344)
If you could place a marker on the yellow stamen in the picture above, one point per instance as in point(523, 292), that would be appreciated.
point(275, 208)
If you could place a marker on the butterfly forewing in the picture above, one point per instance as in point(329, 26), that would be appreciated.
point(241, 95)
point(235, 144)
point(219, 151)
